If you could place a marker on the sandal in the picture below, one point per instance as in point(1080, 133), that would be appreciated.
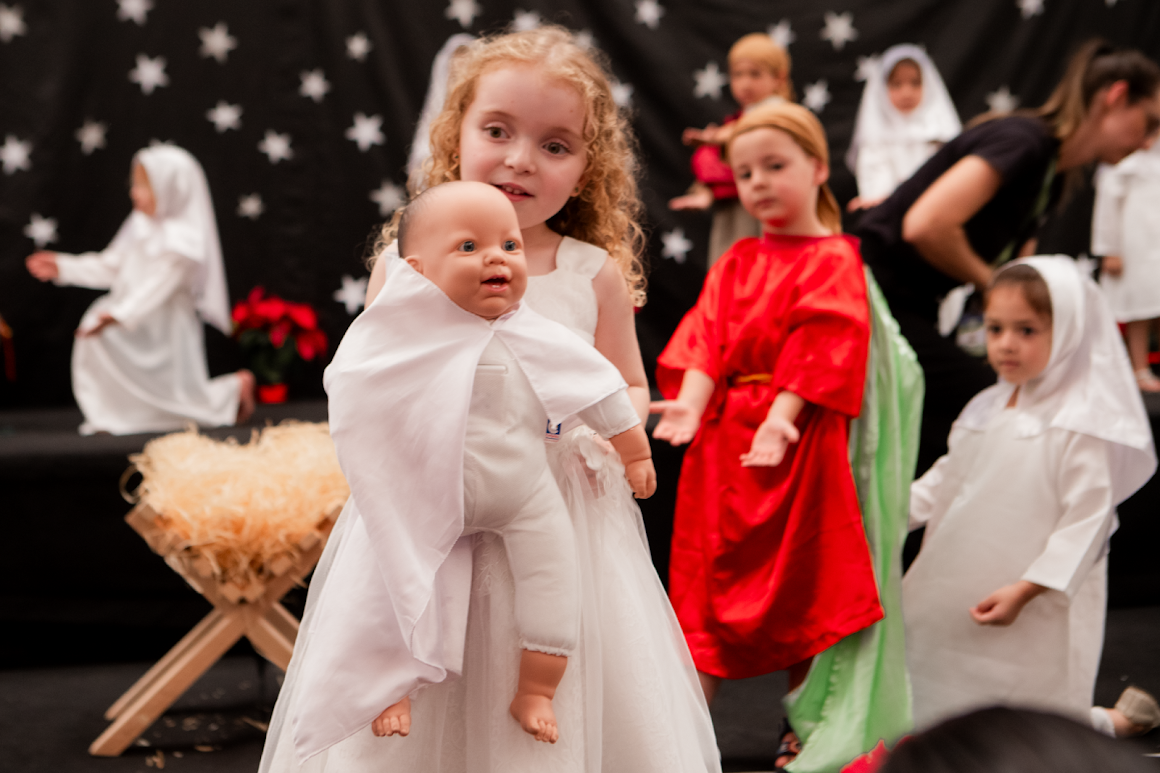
point(789, 747)
point(1139, 708)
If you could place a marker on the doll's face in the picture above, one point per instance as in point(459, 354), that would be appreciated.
point(524, 135)
point(1018, 337)
point(904, 85)
point(751, 82)
point(777, 181)
point(141, 192)
point(467, 242)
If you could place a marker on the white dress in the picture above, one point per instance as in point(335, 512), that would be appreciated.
point(629, 700)
point(1126, 222)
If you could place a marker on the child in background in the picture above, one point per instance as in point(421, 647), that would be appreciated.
point(770, 565)
point(758, 73)
point(1006, 600)
point(1126, 232)
point(532, 114)
point(138, 364)
point(905, 116)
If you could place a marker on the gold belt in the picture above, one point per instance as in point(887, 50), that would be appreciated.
point(751, 378)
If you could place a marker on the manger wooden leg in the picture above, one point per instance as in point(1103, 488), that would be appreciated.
point(278, 616)
point(136, 716)
point(189, 640)
point(270, 642)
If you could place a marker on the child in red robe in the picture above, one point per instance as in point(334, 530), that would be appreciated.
point(770, 563)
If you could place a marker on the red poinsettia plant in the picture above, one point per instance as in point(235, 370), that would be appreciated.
point(273, 332)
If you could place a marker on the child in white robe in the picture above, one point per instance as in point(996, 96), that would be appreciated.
point(138, 363)
point(1005, 602)
point(906, 114)
point(1126, 232)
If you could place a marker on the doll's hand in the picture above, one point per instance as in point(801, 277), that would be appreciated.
point(42, 265)
point(395, 720)
point(642, 477)
point(700, 198)
point(103, 322)
point(770, 443)
point(1113, 265)
point(679, 421)
point(1004, 605)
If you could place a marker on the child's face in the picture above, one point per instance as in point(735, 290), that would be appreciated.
point(777, 181)
point(524, 134)
point(1018, 337)
point(468, 244)
point(141, 192)
point(905, 86)
point(751, 82)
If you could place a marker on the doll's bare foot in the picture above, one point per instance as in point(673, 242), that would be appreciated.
point(536, 717)
point(245, 396)
point(395, 720)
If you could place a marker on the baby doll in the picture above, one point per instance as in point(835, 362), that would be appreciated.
point(447, 358)
point(138, 364)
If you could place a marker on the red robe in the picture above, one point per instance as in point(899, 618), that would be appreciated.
point(770, 565)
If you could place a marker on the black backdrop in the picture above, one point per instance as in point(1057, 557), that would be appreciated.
point(67, 62)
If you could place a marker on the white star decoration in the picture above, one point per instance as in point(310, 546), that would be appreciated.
point(225, 116)
point(352, 294)
point(523, 20)
point(366, 131)
point(463, 11)
point(14, 154)
point(41, 230)
point(839, 29)
point(867, 67)
point(388, 196)
point(251, 206)
point(649, 13)
point(134, 9)
point(91, 136)
point(709, 81)
point(149, 73)
point(217, 42)
point(817, 96)
point(782, 33)
point(1030, 8)
point(314, 84)
point(1001, 100)
point(584, 39)
point(276, 146)
point(1110, 3)
point(676, 246)
point(621, 93)
point(358, 46)
point(11, 22)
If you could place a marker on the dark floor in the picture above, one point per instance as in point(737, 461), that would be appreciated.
point(49, 716)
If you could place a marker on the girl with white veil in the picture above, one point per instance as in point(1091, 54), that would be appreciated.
point(138, 364)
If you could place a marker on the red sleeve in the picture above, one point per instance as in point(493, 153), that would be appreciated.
point(712, 171)
point(824, 356)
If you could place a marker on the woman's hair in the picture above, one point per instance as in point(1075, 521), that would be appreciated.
point(801, 124)
point(1027, 279)
point(608, 210)
point(1003, 740)
point(761, 48)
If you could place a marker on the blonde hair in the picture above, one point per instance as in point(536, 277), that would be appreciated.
point(806, 130)
point(761, 48)
point(608, 210)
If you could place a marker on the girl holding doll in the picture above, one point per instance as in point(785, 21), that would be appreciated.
point(770, 564)
point(532, 114)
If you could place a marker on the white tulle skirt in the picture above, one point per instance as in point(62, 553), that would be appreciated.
point(629, 701)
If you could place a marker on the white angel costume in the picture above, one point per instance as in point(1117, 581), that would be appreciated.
point(1028, 493)
point(1125, 223)
point(147, 373)
point(629, 700)
point(888, 145)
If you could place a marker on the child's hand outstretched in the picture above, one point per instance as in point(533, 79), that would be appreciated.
point(42, 265)
point(770, 443)
point(1004, 605)
point(679, 421)
point(695, 136)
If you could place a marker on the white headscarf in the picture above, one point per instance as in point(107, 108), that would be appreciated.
point(432, 106)
point(1087, 386)
point(880, 122)
point(186, 221)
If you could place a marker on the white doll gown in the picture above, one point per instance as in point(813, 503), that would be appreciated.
point(629, 701)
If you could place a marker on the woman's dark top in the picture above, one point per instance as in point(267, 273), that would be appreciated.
point(1020, 148)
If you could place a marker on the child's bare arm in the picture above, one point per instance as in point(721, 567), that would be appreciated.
point(1004, 605)
point(634, 451)
point(615, 336)
point(775, 433)
point(681, 418)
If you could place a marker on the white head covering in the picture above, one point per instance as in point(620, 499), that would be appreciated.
point(1087, 386)
point(186, 220)
point(436, 96)
point(879, 121)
